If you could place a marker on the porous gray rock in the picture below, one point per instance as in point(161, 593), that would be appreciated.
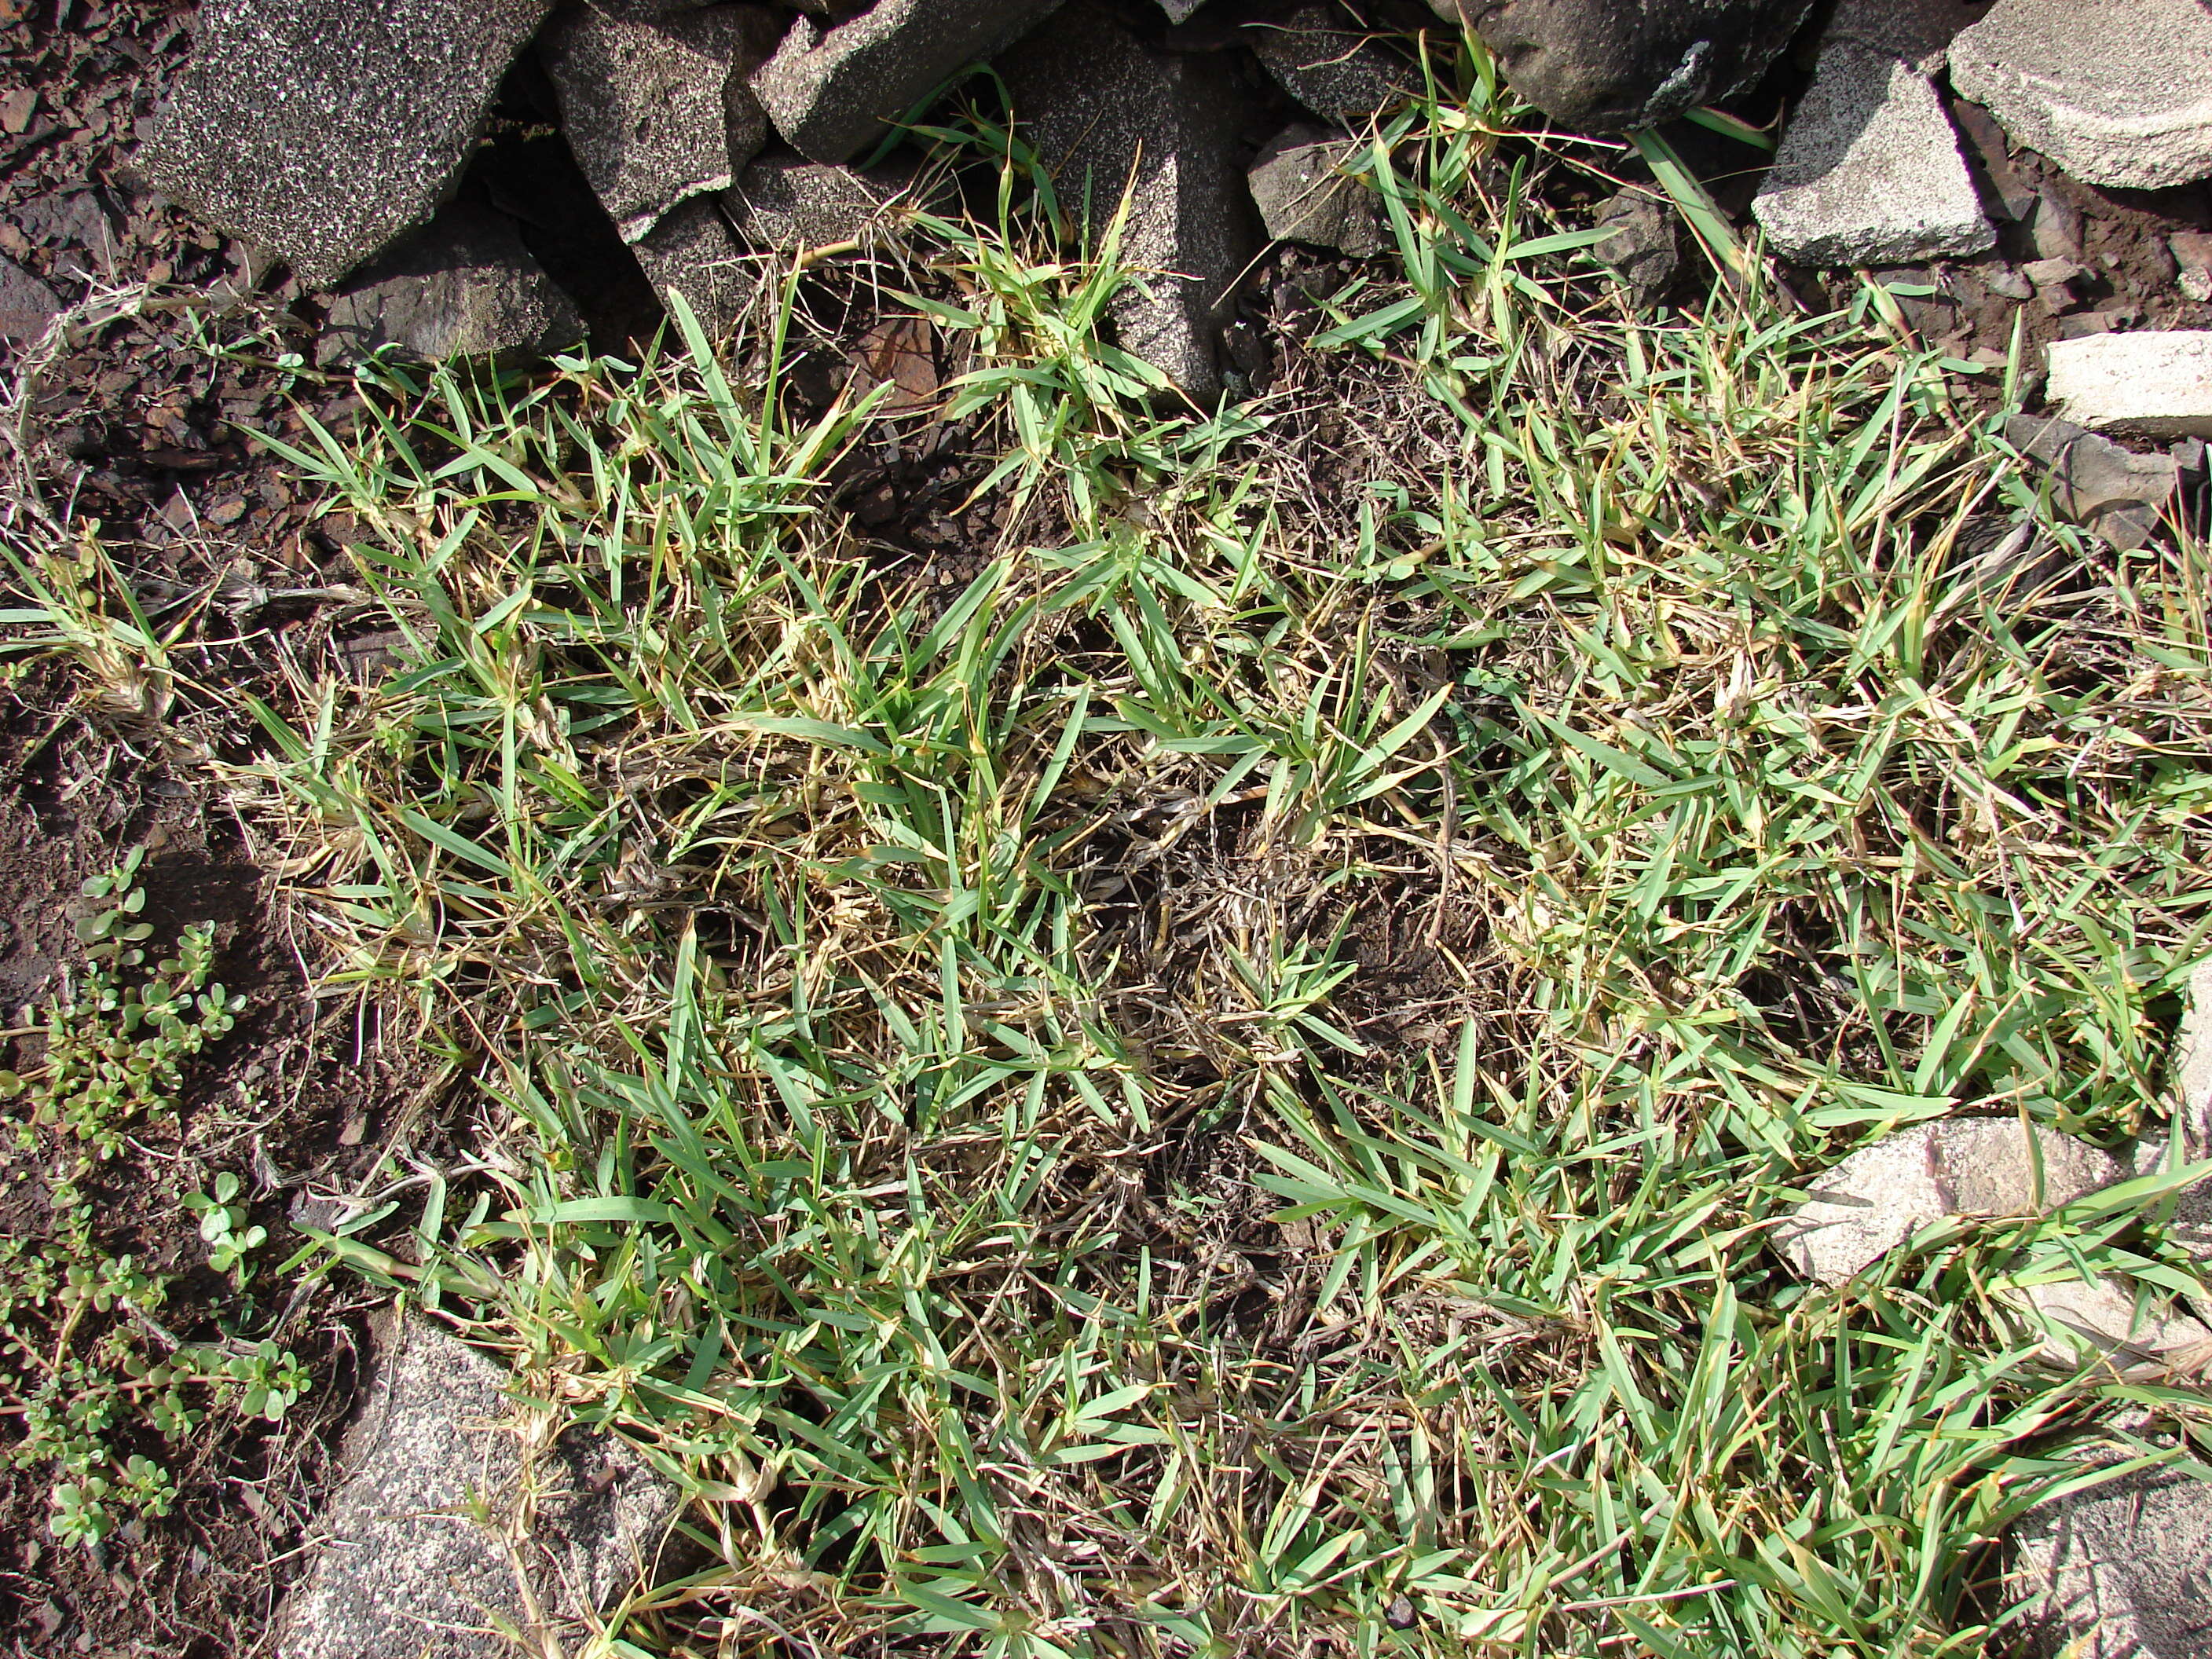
point(324, 130)
point(1642, 246)
point(2095, 482)
point(659, 110)
point(694, 252)
point(1318, 56)
point(463, 285)
point(788, 203)
point(1179, 11)
point(1869, 171)
point(1612, 65)
point(2116, 92)
point(1920, 31)
point(27, 305)
point(2191, 1071)
point(2120, 1571)
point(1882, 1196)
point(1303, 196)
point(1106, 113)
point(403, 1570)
point(833, 94)
point(2152, 384)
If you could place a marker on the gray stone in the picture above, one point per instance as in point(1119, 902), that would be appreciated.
point(2192, 256)
point(789, 203)
point(2095, 482)
point(694, 252)
point(463, 285)
point(659, 111)
point(832, 95)
point(27, 305)
point(1179, 11)
point(1609, 65)
point(2097, 1319)
point(1317, 56)
point(2152, 384)
point(324, 130)
point(2191, 1086)
point(1868, 172)
point(1918, 31)
point(1448, 11)
point(2116, 92)
point(1303, 196)
point(1642, 246)
point(1882, 1196)
point(1107, 114)
point(405, 1565)
point(2121, 1570)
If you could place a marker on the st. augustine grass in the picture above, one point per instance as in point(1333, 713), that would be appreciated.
point(933, 1093)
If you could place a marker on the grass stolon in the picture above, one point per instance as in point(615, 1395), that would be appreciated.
point(930, 1098)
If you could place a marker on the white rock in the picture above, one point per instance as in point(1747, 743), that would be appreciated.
point(2122, 1571)
point(2088, 1319)
point(2192, 1063)
point(2116, 92)
point(1869, 171)
point(2152, 384)
point(402, 1567)
point(1884, 1194)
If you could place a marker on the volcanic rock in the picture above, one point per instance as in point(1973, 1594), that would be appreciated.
point(2116, 92)
point(787, 204)
point(324, 130)
point(659, 111)
point(1610, 65)
point(1107, 114)
point(27, 305)
point(1870, 172)
point(1303, 195)
point(1321, 58)
point(831, 95)
point(694, 252)
point(463, 285)
point(2120, 1571)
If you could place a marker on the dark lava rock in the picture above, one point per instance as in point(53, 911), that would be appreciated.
point(463, 285)
point(1105, 115)
point(1611, 65)
point(833, 94)
point(787, 204)
point(693, 251)
point(1642, 246)
point(1303, 195)
point(1321, 58)
point(324, 130)
point(27, 305)
point(658, 110)
point(405, 1571)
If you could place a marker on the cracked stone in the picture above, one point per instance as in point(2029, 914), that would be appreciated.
point(659, 111)
point(787, 204)
point(1303, 196)
point(694, 252)
point(1870, 172)
point(2155, 383)
point(1882, 1196)
point(2095, 482)
point(1106, 113)
point(463, 286)
point(2116, 92)
point(833, 94)
point(1317, 56)
point(324, 130)
point(2120, 1571)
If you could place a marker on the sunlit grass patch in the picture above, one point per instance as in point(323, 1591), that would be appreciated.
point(936, 1093)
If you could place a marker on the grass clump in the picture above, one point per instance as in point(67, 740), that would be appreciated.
point(1222, 1083)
